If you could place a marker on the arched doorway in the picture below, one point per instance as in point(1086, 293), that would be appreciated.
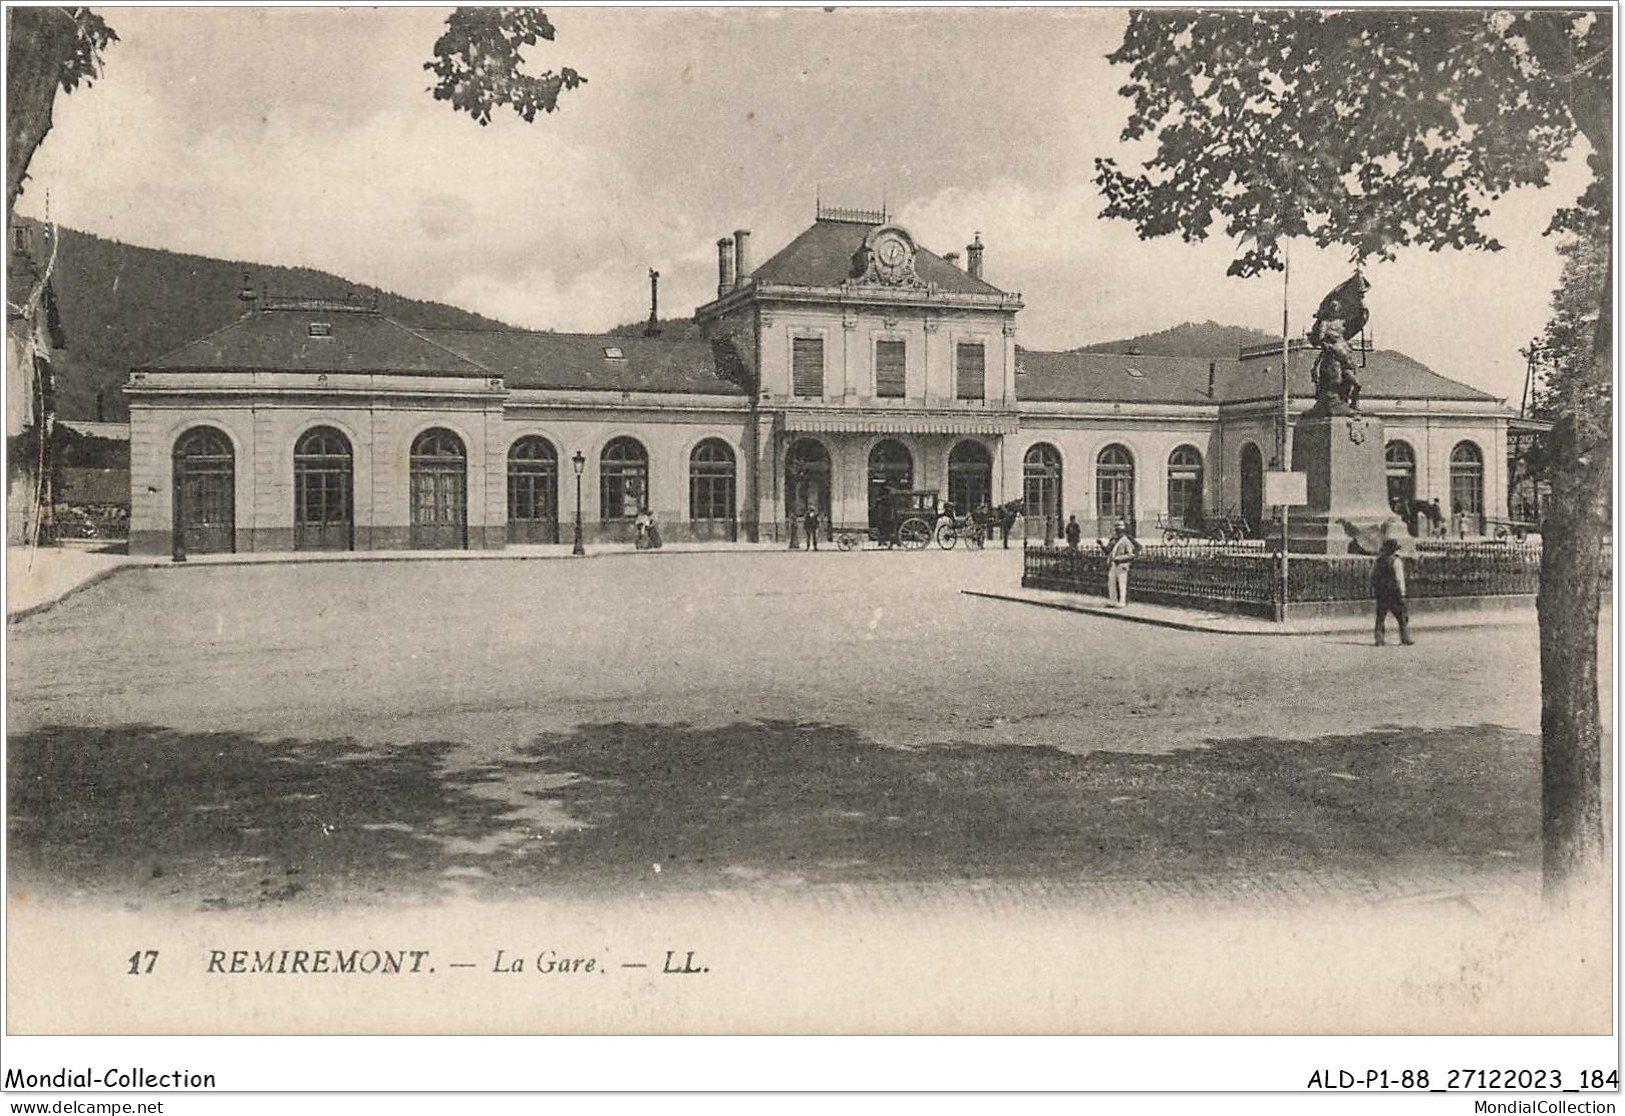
point(1252, 489)
point(533, 491)
point(1467, 488)
point(623, 481)
point(807, 480)
point(1185, 488)
point(970, 477)
point(1041, 489)
point(711, 490)
point(1400, 463)
point(891, 469)
point(205, 492)
point(323, 502)
point(439, 492)
point(1114, 488)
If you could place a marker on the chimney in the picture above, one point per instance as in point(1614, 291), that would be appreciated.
point(653, 328)
point(245, 293)
point(973, 257)
point(1212, 371)
point(952, 259)
point(725, 266)
point(741, 256)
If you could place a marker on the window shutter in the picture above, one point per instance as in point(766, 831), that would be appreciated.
point(891, 369)
point(807, 366)
point(971, 367)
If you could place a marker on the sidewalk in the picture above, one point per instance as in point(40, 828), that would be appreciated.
point(1195, 620)
point(39, 577)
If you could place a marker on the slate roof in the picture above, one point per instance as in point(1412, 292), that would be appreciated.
point(280, 341)
point(822, 257)
point(578, 361)
point(1107, 378)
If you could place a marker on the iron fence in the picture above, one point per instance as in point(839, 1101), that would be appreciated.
point(1248, 580)
point(1193, 576)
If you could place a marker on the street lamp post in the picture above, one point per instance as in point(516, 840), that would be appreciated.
point(580, 463)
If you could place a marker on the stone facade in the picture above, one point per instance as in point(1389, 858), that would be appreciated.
point(850, 361)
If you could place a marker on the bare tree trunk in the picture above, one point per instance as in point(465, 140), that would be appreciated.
point(1577, 525)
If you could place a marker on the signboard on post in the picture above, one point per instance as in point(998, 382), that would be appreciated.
point(1286, 489)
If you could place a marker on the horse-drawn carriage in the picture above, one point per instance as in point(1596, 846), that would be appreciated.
point(906, 519)
point(909, 520)
point(1226, 526)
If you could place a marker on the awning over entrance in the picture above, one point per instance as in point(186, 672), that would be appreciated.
point(900, 422)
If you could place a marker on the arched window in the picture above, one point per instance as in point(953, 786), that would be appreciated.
point(1467, 482)
point(205, 492)
point(623, 479)
point(970, 477)
point(1399, 461)
point(439, 491)
point(1185, 487)
point(323, 468)
point(711, 481)
point(1114, 486)
point(1041, 484)
point(891, 469)
point(533, 491)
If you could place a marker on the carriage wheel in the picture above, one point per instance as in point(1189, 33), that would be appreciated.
point(946, 535)
point(914, 534)
point(847, 541)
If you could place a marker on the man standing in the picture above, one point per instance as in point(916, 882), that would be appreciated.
point(1388, 586)
point(809, 523)
point(1120, 552)
point(1073, 532)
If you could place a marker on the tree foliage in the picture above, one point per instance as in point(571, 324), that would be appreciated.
point(1566, 348)
point(47, 49)
point(1374, 129)
point(1377, 129)
point(479, 63)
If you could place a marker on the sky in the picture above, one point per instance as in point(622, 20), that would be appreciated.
point(307, 137)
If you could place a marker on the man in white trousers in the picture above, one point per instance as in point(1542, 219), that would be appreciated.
point(1120, 552)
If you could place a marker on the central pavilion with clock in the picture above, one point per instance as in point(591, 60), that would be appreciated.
point(851, 362)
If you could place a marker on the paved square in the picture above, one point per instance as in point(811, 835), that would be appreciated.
point(251, 736)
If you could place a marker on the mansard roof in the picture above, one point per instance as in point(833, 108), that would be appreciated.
point(822, 257)
point(315, 337)
point(1085, 377)
point(590, 362)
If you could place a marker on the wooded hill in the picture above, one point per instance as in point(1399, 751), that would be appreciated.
point(1190, 339)
point(122, 306)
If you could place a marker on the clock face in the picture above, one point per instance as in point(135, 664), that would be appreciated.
point(891, 251)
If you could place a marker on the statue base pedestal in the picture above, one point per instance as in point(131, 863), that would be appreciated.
point(1342, 454)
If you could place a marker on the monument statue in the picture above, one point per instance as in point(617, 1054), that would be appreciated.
point(1342, 314)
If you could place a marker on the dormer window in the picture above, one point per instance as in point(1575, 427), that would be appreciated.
point(1135, 372)
point(321, 329)
point(613, 352)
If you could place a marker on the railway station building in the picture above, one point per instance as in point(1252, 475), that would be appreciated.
point(851, 362)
